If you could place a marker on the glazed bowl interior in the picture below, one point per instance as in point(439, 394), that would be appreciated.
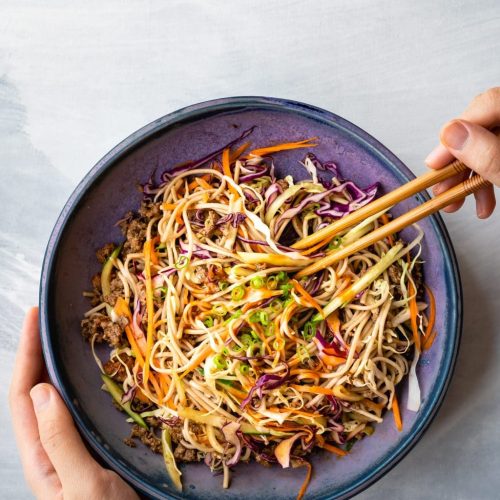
point(110, 189)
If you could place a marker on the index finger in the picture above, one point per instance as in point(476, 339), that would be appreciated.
point(483, 110)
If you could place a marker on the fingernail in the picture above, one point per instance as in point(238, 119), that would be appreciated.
point(433, 155)
point(437, 189)
point(454, 135)
point(40, 395)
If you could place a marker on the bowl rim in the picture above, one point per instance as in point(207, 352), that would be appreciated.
point(393, 457)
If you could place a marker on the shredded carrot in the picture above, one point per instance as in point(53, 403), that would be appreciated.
point(178, 218)
point(429, 340)
point(133, 344)
point(432, 311)
point(307, 480)
point(138, 344)
point(306, 295)
point(169, 206)
point(306, 143)
point(315, 247)
point(154, 254)
point(142, 397)
point(333, 322)
point(385, 220)
point(203, 183)
point(334, 449)
point(234, 391)
point(396, 413)
point(330, 447)
point(194, 363)
point(414, 315)
point(226, 169)
point(238, 152)
point(313, 389)
point(156, 386)
point(150, 308)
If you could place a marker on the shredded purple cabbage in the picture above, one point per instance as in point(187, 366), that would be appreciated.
point(197, 251)
point(130, 394)
point(266, 383)
point(234, 218)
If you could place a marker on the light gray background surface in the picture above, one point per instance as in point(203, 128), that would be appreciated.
point(76, 78)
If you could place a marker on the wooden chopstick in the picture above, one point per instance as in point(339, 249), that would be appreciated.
point(405, 191)
point(454, 194)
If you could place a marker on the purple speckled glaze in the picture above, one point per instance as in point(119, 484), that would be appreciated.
point(110, 189)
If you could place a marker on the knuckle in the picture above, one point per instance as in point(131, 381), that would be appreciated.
point(490, 97)
point(491, 160)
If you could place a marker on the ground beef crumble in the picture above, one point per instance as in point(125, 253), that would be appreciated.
point(147, 437)
point(103, 328)
point(116, 370)
point(103, 253)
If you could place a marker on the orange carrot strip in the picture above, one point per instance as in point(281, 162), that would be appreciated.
point(238, 152)
point(194, 363)
point(329, 447)
point(428, 341)
point(154, 255)
point(138, 345)
point(226, 170)
point(396, 413)
point(178, 218)
point(306, 295)
point(413, 316)
point(150, 308)
point(306, 143)
point(432, 311)
point(334, 449)
point(385, 220)
point(203, 183)
point(133, 345)
point(307, 480)
point(169, 206)
point(313, 389)
point(315, 247)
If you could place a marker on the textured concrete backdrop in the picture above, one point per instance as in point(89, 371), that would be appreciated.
point(75, 79)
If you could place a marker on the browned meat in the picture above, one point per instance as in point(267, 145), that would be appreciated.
point(153, 422)
point(147, 438)
point(130, 442)
point(136, 236)
point(103, 328)
point(186, 454)
point(418, 277)
point(96, 297)
point(176, 434)
point(116, 290)
point(116, 370)
point(104, 252)
point(210, 226)
point(394, 272)
point(149, 209)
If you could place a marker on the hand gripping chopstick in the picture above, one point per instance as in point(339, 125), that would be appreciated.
point(454, 194)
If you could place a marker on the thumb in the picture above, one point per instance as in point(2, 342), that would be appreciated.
point(60, 439)
point(475, 146)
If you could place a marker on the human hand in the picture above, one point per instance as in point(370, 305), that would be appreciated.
point(468, 139)
point(55, 461)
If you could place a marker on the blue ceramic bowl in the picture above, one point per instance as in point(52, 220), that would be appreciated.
point(110, 189)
